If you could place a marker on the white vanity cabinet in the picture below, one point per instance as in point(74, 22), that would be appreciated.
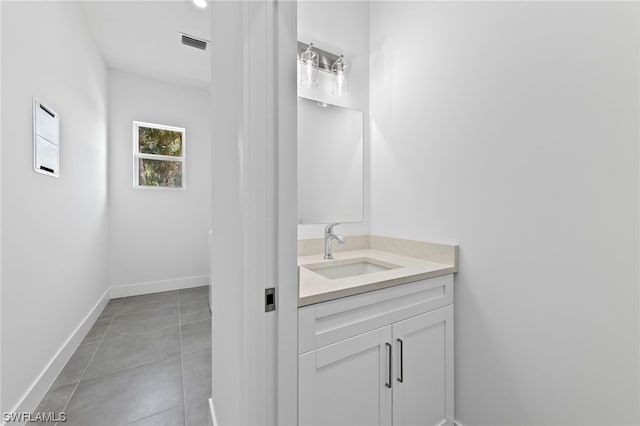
point(379, 358)
point(423, 392)
point(344, 383)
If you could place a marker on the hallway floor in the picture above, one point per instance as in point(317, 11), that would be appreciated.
point(146, 361)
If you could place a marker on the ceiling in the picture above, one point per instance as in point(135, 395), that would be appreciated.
point(142, 37)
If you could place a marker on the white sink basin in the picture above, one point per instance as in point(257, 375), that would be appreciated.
point(349, 268)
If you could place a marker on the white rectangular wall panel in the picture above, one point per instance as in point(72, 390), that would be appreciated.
point(46, 140)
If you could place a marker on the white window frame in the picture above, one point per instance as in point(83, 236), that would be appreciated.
point(137, 155)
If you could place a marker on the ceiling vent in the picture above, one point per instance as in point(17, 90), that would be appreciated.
point(192, 41)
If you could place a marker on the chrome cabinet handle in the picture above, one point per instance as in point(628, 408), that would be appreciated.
point(388, 384)
point(401, 378)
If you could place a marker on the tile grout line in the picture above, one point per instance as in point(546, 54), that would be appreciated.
point(128, 336)
point(106, 339)
point(184, 391)
point(199, 349)
point(143, 310)
point(151, 415)
point(119, 313)
point(64, 409)
point(136, 366)
point(198, 320)
point(133, 367)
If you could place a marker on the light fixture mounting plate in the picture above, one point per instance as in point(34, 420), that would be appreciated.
point(326, 58)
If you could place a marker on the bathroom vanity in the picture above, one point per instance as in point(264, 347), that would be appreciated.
point(375, 314)
point(375, 333)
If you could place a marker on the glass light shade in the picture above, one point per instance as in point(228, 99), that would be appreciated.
point(340, 84)
point(309, 68)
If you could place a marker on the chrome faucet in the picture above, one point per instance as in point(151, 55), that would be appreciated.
point(329, 236)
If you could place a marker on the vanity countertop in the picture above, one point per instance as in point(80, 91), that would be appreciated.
point(315, 288)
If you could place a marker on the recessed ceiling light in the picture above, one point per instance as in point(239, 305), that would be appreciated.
point(200, 3)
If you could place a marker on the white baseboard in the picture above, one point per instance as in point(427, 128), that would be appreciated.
point(213, 421)
point(136, 289)
point(48, 375)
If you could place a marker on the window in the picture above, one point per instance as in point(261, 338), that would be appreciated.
point(158, 156)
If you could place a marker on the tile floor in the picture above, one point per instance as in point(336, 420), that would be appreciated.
point(146, 361)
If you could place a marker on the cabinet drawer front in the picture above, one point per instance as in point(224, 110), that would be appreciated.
point(329, 322)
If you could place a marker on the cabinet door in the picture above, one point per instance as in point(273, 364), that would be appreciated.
point(423, 370)
point(346, 383)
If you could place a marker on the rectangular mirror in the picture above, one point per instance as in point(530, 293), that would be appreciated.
point(330, 163)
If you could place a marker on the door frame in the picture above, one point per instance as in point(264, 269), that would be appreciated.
point(254, 228)
point(286, 26)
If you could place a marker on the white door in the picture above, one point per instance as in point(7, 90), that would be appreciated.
point(423, 369)
point(347, 383)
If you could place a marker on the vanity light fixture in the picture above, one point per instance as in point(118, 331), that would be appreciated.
point(200, 3)
point(309, 73)
point(313, 59)
point(340, 83)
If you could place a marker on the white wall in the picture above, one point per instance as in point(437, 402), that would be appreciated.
point(340, 27)
point(158, 234)
point(54, 231)
point(512, 129)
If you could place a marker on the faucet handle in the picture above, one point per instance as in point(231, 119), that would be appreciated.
point(329, 228)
